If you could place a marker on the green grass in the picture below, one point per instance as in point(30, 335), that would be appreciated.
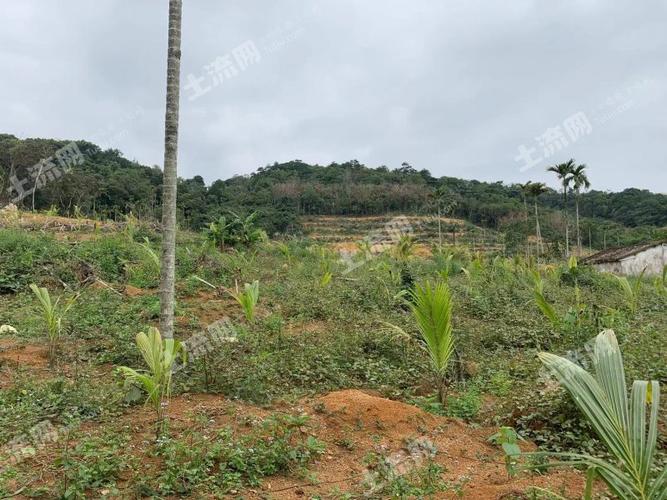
point(310, 339)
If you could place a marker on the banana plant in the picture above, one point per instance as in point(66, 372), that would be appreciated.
point(619, 420)
point(53, 316)
point(247, 298)
point(431, 307)
point(160, 357)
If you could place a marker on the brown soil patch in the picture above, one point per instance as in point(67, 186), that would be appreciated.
point(351, 423)
point(365, 422)
point(307, 327)
point(33, 355)
point(339, 218)
point(211, 306)
point(133, 291)
point(77, 229)
point(15, 356)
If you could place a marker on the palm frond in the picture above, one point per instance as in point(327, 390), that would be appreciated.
point(620, 422)
point(432, 309)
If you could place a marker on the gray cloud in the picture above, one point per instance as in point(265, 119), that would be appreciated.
point(454, 87)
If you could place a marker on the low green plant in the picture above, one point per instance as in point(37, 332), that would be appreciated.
point(131, 226)
point(78, 214)
point(247, 298)
point(466, 404)
point(631, 291)
point(404, 248)
point(619, 421)
point(326, 278)
point(508, 439)
point(160, 357)
point(451, 267)
point(541, 302)
point(285, 250)
point(425, 481)
point(365, 249)
point(226, 462)
point(94, 464)
point(53, 316)
point(661, 282)
point(52, 211)
point(152, 254)
point(217, 233)
point(431, 307)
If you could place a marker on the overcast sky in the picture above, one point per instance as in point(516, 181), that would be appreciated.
point(472, 89)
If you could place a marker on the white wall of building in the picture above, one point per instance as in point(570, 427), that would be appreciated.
point(653, 259)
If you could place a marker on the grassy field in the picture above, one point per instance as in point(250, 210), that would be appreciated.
point(315, 395)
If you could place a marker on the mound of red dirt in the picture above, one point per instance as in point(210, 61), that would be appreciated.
point(353, 423)
point(357, 409)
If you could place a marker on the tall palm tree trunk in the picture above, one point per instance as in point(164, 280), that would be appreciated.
point(576, 201)
point(439, 228)
point(538, 232)
point(567, 223)
point(525, 208)
point(169, 174)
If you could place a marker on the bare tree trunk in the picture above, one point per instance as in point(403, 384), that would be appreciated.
point(578, 232)
point(34, 188)
point(567, 223)
point(439, 228)
point(538, 232)
point(169, 175)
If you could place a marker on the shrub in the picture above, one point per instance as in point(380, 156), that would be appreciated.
point(26, 258)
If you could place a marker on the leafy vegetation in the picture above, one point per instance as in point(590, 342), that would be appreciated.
point(619, 421)
point(247, 298)
point(160, 356)
point(107, 185)
point(432, 308)
point(306, 340)
point(226, 462)
point(53, 317)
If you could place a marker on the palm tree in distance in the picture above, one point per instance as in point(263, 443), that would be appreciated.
point(564, 173)
point(169, 174)
point(525, 192)
point(535, 189)
point(579, 181)
point(440, 196)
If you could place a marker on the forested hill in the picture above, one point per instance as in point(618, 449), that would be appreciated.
point(108, 185)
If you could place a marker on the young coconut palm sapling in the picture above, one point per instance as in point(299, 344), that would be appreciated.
point(431, 306)
point(160, 356)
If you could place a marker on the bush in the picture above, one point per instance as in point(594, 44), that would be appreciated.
point(27, 258)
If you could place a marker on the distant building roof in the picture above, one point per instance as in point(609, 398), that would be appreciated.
point(616, 254)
